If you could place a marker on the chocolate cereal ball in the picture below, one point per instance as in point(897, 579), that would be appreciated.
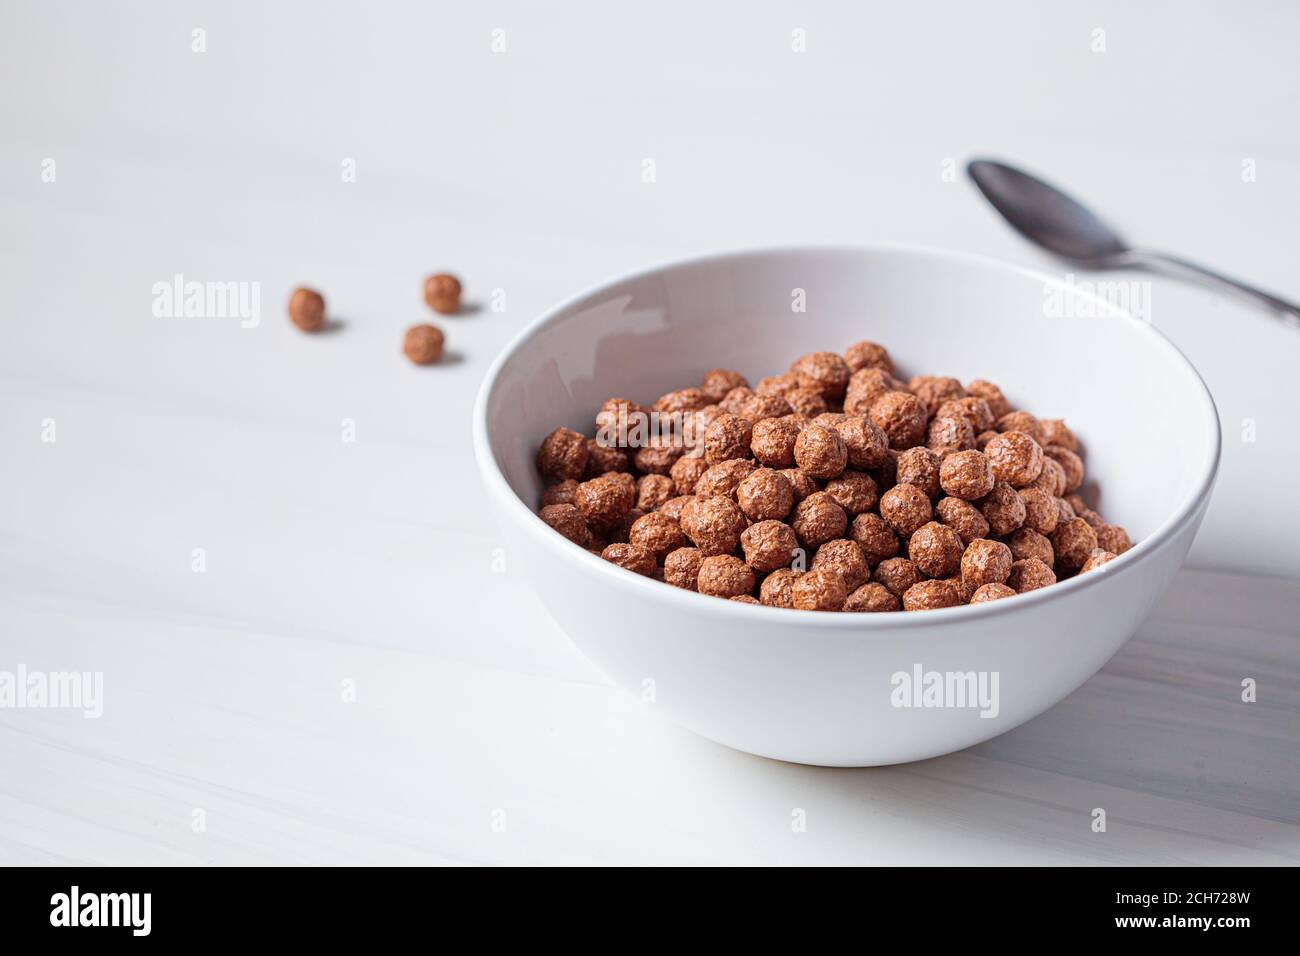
point(563, 454)
point(686, 471)
point(1095, 560)
point(719, 381)
point(1064, 512)
point(682, 568)
point(872, 597)
point(621, 533)
point(936, 549)
point(865, 387)
point(818, 519)
point(934, 390)
point(601, 459)
point(854, 491)
point(1071, 463)
point(777, 384)
point(1113, 538)
point(985, 562)
point(997, 402)
point(765, 494)
point(777, 589)
point(947, 435)
point(632, 557)
point(906, 507)
point(744, 599)
point(1073, 542)
point(901, 416)
point(1040, 510)
point(658, 455)
point(821, 590)
point(423, 344)
point(966, 474)
point(560, 493)
point(983, 438)
point(897, 575)
point(673, 506)
point(681, 401)
point(1003, 509)
point(1028, 543)
point(820, 452)
point(307, 309)
point(728, 437)
point(991, 592)
point(773, 441)
point(618, 418)
point(846, 557)
point(693, 427)
point(972, 409)
point(1055, 432)
point(657, 533)
point(806, 401)
point(932, 595)
point(567, 520)
point(724, 478)
point(1029, 574)
point(1019, 422)
point(725, 576)
point(824, 371)
point(867, 444)
point(865, 354)
point(757, 407)
point(713, 524)
point(1016, 458)
point(605, 500)
point(919, 466)
point(963, 517)
point(1051, 479)
point(876, 539)
point(802, 484)
point(768, 545)
point(653, 490)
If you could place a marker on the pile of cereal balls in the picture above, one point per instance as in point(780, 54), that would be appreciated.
point(832, 487)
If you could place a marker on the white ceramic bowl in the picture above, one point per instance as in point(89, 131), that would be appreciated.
point(821, 688)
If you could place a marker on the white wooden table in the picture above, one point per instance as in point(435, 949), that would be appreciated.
point(353, 676)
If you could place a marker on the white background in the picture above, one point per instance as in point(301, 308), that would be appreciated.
point(371, 561)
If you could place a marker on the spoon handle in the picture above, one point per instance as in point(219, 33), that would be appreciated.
point(1287, 312)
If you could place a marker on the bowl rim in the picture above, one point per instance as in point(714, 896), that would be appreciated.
point(692, 601)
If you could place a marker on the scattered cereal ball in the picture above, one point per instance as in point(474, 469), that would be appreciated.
point(1096, 559)
point(1055, 432)
point(824, 371)
point(867, 444)
point(681, 401)
point(865, 354)
point(728, 437)
point(876, 539)
point(821, 590)
point(719, 381)
point(820, 452)
point(872, 597)
point(725, 576)
point(972, 409)
point(686, 471)
point(1070, 463)
point(601, 459)
point(919, 466)
point(1051, 479)
point(563, 454)
point(307, 309)
point(901, 416)
point(777, 589)
point(1040, 510)
point(1016, 458)
point(604, 501)
point(963, 517)
point(657, 533)
point(806, 401)
point(1073, 542)
point(653, 490)
point(713, 524)
point(1028, 543)
point(932, 595)
point(423, 344)
point(997, 402)
point(1003, 509)
point(949, 435)
point(617, 419)
point(768, 545)
point(854, 491)
point(673, 506)
point(442, 293)
point(934, 390)
point(802, 484)
point(966, 474)
point(632, 557)
point(818, 519)
point(985, 562)
point(765, 494)
point(773, 441)
point(991, 592)
point(682, 568)
point(906, 507)
point(567, 520)
point(777, 384)
point(1019, 422)
point(1029, 574)
point(846, 557)
point(724, 478)
point(865, 386)
point(936, 549)
point(658, 455)
point(560, 493)
point(897, 575)
point(1113, 538)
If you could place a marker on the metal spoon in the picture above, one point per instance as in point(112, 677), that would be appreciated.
point(1061, 225)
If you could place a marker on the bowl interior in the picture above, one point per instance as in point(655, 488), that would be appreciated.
point(1146, 425)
